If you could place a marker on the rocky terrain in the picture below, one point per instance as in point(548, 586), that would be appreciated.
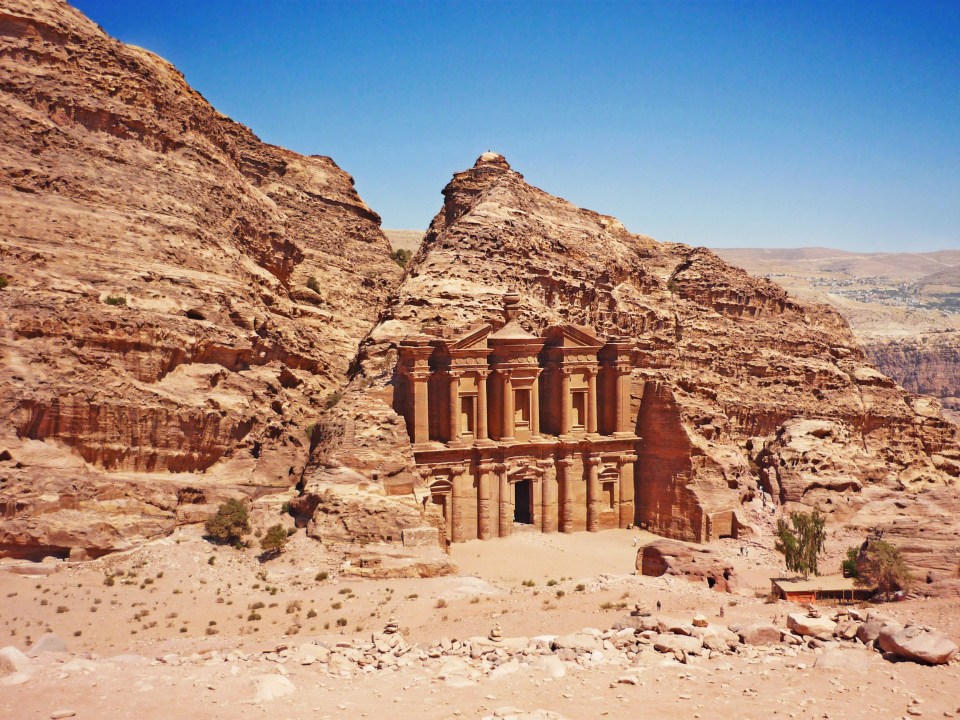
point(181, 299)
point(739, 389)
point(538, 623)
point(904, 308)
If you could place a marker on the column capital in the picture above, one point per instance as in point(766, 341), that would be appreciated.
point(507, 373)
point(594, 460)
point(419, 374)
point(500, 467)
point(455, 373)
point(486, 467)
point(483, 373)
point(565, 371)
point(544, 464)
point(627, 458)
point(591, 370)
point(424, 471)
point(564, 462)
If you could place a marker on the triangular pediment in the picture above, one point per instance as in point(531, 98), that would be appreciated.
point(473, 339)
point(572, 336)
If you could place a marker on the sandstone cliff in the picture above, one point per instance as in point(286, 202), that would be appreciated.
point(737, 387)
point(182, 297)
point(928, 364)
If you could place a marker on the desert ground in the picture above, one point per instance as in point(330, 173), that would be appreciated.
point(185, 628)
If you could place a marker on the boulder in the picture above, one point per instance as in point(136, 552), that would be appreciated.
point(804, 624)
point(917, 643)
point(759, 633)
point(670, 643)
point(869, 631)
point(271, 687)
point(12, 660)
point(578, 642)
point(47, 643)
point(697, 564)
point(835, 658)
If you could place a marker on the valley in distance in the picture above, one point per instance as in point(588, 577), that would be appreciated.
point(253, 461)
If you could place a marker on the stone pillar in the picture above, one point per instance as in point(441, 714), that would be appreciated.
point(456, 495)
point(508, 408)
point(593, 494)
point(506, 502)
point(535, 406)
point(623, 399)
point(565, 420)
point(548, 499)
point(565, 483)
point(592, 401)
point(626, 508)
point(482, 433)
point(484, 521)
point(454, 429)
point(421, 413)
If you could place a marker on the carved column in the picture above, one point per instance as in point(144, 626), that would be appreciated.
point(454, 430)
point(592, 401)
point(548, 499)
point(593, 494)
point(626, 509)
point(421, 414)
point(484, 521)
point(456, 494)
point(565, 482)
point(506, 502)
point(508, 408)
point(623, 398)
point(482, 433)
point(535, 406)
point(565, 420)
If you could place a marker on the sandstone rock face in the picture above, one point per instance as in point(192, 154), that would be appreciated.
point(917, 643)
point(928, 364)
point(668, 557)
point(182, 296)
point(736, 386)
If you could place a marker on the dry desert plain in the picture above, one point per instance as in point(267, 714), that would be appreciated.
point(191, 630)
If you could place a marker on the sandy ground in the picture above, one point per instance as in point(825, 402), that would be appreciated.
point(170, 598)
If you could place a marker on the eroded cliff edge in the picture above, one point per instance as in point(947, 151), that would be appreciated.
point(182, 297)
point(737, 388)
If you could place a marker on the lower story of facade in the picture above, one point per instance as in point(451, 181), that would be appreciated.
point(487, 492)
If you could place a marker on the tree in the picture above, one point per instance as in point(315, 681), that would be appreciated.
point(802, 543)
point(230, 523)
point(848, 566)
point(881, 565)
point(401, 257)
point(274, 541)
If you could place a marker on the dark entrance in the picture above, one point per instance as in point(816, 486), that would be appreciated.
point(523, 497)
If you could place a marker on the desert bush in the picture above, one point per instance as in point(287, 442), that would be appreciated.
point(4, 282)
point(230, 523)
point(341, 622)
point(849, 565)
point(441, 603)
point(321, 576)
point(275, 540)
point(115, 300)
point(312, 284)
point(401, 257)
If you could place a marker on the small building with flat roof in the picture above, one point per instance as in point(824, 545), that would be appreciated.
point(828, 587)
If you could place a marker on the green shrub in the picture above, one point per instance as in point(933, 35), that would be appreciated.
point(275, 540)
point(312, 284)
point(401, 257)
point(230, 523)
point(321, 576)
point(849, 565)
point(115, 300)
point(4, 281)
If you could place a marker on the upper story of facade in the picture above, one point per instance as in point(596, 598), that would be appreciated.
point(508, 386)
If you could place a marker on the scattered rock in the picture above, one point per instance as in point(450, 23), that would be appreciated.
point(272, 687)
point(917, 643)
point(12, 660)
point(47, 643)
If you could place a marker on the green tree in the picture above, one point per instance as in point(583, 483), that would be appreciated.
point(230, 523)
point(881, 565)
point(849, 565)
point(801, 541)
point(275, 540)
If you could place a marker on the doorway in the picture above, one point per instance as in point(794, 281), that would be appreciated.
point(523, 502)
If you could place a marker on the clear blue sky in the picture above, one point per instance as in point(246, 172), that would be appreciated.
point(768, 124)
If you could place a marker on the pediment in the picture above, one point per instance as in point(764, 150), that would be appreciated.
point(572, 336)
point(473, 339)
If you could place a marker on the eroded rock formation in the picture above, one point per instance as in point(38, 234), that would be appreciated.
point(737, 388)
point(182, 297)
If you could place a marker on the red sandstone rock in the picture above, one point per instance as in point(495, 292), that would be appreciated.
point(668, 557)
point(118, 180)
